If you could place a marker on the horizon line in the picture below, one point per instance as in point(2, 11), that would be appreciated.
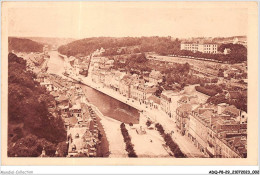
point(127, 36)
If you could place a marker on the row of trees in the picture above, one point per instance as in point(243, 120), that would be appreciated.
point(169, 142)
point(238, 53)
point(240, 102)
point(121, 51)
point(127, 140)
point(205, 90)
point(180, 74)
point(135, 63)
point(88, 45)
point(177, 73)
point(29, 120)
point(217, 93)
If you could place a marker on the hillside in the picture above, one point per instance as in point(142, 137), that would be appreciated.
point(30, 125)
point(161, 45)
point(52, 41)
point(23, 45)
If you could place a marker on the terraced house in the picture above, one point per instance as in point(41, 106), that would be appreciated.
point(217, 132)
point(169, 100)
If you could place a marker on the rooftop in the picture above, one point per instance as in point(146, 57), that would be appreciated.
point(184, 108)
point(76, 106)
point(154, 99)
point(62, 98)
point(232, 109)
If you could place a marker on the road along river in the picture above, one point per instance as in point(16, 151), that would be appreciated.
point(113, 111)
point(107, 105)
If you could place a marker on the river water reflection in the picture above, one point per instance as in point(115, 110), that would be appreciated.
point(111, 107)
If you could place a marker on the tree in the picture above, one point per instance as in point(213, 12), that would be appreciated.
point(28, 107)
point(136, 50)
point(148, 123)
point(122, 125)
point(62, 148)
point(23, 45)
point(220, 73)
point(141, 58)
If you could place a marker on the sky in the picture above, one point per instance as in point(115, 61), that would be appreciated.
point(119, 19)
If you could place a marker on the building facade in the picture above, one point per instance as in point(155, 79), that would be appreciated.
point(200, 47)
point(169, 102)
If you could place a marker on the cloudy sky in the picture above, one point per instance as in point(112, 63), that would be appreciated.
point(92, 19)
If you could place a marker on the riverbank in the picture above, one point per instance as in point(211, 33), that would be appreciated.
point(112, 127)
point(159, 116)
point(116, 143)
point(87, 81)
point(111, 107)
point(103, 148)
point(112, 130)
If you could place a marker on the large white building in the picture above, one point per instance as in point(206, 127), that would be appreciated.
point(200, 47)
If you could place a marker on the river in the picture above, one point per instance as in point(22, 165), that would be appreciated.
point(109, 106)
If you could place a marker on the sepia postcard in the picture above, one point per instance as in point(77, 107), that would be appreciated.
point(129, 83)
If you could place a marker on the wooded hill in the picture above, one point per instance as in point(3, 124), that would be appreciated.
point(159, 45)
point(23, 45)
point(162, 45)
point(30, 125)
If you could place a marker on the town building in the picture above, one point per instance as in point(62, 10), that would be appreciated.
point(62, 103)
point(95, 76)
point(141, 91)
point(204, 47)
point(182, 117)
point(187, 99)
point(42, 77)
point(115, 80)
point(153, 102)
point(198, 127)
point(47, 84)
point(75, 111)
point(218, 131)
point(136, 94)
point(108, 79)
point(35, 59)
point(101, 76)
point(77, 144)
point(109, 64)
point(124, 85)
point(168, 102)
